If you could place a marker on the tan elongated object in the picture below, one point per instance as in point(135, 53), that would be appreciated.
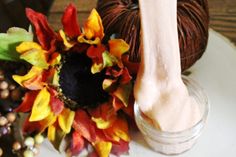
point(159, 89)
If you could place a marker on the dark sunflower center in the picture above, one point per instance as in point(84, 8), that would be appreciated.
point(79, 84)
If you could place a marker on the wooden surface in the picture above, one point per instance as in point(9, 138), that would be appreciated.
point(12, 12)
point(222, 14)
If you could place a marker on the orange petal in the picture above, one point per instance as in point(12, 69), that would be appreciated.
point(118, 47)
point(84, 125)
point(32, 80)
point(119, 130)
point(93, 27)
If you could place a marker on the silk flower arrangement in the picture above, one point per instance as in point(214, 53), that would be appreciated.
point(78, 86)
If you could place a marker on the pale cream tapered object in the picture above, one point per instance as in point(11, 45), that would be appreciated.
point(159, 90)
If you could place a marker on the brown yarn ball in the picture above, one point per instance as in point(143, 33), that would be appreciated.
point(121, 17)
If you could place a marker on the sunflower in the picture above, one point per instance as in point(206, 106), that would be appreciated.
point(78, 85)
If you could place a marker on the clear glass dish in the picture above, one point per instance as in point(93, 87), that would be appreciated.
point(175, 143)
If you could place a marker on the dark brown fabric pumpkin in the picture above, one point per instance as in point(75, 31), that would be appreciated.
point(121, 17)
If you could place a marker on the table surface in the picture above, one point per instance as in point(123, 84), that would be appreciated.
point(222, 14)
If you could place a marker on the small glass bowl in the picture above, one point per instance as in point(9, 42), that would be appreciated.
point(175, 143)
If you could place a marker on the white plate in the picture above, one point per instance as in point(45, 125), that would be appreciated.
point(216, 73)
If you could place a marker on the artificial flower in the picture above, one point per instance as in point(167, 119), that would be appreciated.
point(77, 86)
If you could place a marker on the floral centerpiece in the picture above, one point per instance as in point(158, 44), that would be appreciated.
point(78, 86)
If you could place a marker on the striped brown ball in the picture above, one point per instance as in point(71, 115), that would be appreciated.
point(121, 17)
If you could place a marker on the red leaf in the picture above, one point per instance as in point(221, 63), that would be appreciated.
point(93, 154)
point(28, 102)
point(129, 110)
point(114, 72)
point(77, 143)
point(125, 77)
point(45, 34)
point(56, 104)
point(84, 125)
point(121, 148)
point(104, 111)
point(117, 104)
point(69, 21)
point(48, 75)
point(132, 66)
point(95, 53)
point(31, 127)
point(34, 83)
point(80, 48)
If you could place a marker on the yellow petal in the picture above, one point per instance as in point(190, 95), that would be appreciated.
point(66, 119)
point(102, 124)
point(41, 108)
point(48, 121)
point(33, 73)
point(103, 148)
point(96, 68)
point(65, 41)
point(35, 57)
point(55, 80)
point(96, 41)
point(93, 27)
point(27, 45)
point(51, 133)
point(118, 47)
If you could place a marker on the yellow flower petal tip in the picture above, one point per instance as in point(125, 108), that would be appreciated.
point(67, 44)
point(27, 45)
point(93, 27)
point(101, 123)
point(35, 57)
point(103, 148)
point(96, 68)
point(51, 133)
point(118, 47)
point(33, 53)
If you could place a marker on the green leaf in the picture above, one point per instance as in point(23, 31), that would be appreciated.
point(108, 59)
point(123, 93)
point(59, 136)
point(11, 39)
